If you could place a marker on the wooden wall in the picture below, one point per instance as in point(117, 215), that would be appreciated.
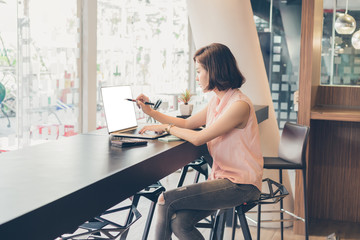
point(309, 79)
point(338, 96)
point(334, 171)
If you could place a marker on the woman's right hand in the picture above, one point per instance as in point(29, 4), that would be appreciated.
point(140, 102)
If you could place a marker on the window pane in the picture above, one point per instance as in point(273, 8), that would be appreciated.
point(46, 85)
point(143, 44)
point(340, 52)
point(279, 24)
point(8, 83)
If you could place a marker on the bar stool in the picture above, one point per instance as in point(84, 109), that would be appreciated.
point(292, 155)
point(101, 228)
point(199, 165)
point(275, 193)
point(152, 193)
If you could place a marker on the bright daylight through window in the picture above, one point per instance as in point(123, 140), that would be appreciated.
point(144, 44)
point(39, 71)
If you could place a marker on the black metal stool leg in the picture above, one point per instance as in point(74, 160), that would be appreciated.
point(259, 222)
point(222, 221)
point(281, 207)
point(183, 174)
point(153, 197)
point(148, 220)
point(197, 176)
point(234, 223)
point(200, 169)
point(244, 224)
point(213, 233)
point(135, 202)
point(212, 224)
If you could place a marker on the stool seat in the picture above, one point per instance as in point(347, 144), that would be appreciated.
point(279, 163)
point(152, 192)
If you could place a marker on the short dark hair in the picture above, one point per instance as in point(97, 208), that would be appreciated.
point(221, 65)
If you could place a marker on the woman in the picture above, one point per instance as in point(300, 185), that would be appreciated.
point(232, 137)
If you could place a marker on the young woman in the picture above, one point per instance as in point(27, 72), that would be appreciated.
point(232, 137)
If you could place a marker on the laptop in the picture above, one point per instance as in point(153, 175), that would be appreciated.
point(120, 114)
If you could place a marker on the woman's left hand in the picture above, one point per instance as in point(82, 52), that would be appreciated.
point(159, 128)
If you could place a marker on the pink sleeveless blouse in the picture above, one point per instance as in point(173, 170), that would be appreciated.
point(237, 154)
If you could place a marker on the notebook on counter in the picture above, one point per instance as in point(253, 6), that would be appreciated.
point(120, 114)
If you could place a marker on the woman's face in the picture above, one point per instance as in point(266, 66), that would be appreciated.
point(202, 76)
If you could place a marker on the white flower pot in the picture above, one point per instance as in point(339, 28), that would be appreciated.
point(186, 109)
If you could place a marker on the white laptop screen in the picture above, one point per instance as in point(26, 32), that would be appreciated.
point(119, 113)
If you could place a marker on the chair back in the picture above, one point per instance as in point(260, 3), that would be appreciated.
point(293, 143)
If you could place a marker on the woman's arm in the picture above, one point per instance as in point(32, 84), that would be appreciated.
point(235, 117)
point(192, 122)
point(195, 121)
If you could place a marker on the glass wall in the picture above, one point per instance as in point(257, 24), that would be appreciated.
point(8, 83)
point(279, 26)
point(39, 74)
point(143, 44)
point(140, 43)
point(340, 55)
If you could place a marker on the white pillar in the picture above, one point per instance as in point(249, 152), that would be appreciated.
point(88, 90)
point(231, 23)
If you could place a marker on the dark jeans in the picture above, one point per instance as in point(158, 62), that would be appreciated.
point(185, 206)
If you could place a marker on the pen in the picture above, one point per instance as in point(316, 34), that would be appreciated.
point(133, 100)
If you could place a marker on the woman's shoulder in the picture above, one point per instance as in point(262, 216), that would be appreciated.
point(212, 99)
point(240, 96)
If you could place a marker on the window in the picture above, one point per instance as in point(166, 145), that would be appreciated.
point(279, 24)
point(39, 71)
point(340, 60)
point(143, 44)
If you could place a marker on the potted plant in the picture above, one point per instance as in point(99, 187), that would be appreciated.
point(185, 107)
